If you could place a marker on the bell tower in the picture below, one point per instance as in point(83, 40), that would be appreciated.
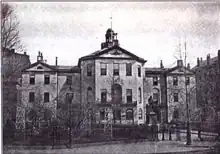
point(110, 38)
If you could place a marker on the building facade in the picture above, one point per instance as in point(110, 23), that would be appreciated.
point(208, 86)
point(181, 91)
point(12, 64)
point(167, 89)
point(43, 90)
point(112, 80)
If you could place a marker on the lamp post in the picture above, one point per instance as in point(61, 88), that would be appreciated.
point(70, 98)
point(188, 131)
point(188, 135)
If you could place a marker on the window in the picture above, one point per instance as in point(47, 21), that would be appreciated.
point(39, 67)
point(89, 94)
point(175, 81)
point(69, 80)
point(32, 79)
point(31, 97)
point(176, 114)
point(187, 80)
point(139, 71)
point(129, 114)
point(103, 95)
point(102, 115)
point(117, 114)
point(103, 68)
point(89, 70)
point(155, 81)
point(46, 79)
point(129, 95)
point(115, 69)
point(155, 97)
point(46, 97)
point(139, 95)
point(129, 69)
point(69, 97)
point(175, 97)
point(116, 93)
point(140, 114)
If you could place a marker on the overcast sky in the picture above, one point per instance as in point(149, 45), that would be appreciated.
point(149, 30)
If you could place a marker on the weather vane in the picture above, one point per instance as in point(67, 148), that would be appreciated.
point(111, 20)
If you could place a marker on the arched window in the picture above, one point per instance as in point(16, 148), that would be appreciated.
point(176, 114)
point(89, 95)
point(47, 114)
point(117, 114)
point(156, 96)
point(129, 114)
point(31, 115)
point(39, 67)
point(140, 113)
point(116, 93)
point(139, 95)
point(89, 69)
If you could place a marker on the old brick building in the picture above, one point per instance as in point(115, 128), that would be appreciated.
point(208, 85)
point(12, 64)
point(168, 89)
point(113, 81)
point(45, 87)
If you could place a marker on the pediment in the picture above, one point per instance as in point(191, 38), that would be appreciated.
point(116, 53)
point(39, 67)
point(113, 52)
point(181, 70)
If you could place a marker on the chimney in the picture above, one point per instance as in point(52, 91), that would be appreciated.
point(161, 64)
point(56, 61)
point(208, 59)
point(219, 56)
point(13, 50)
point(198, 62)
point(219, 60)
point(188, 66)
point(179, 63)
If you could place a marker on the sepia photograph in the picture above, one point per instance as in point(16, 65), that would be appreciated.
point(110, 77)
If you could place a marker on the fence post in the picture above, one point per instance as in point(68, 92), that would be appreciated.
point(156, 132)
point(163, 131)
point(170, 133)
point(199, 132)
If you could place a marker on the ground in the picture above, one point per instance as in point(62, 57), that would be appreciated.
point(138, 147)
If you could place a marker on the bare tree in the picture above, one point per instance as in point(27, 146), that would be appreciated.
point(185, 91)
point(37, 112)
point(11, 74)
point(10, 29)
point(74, 114)
point(12, 63)
point(184, 96)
